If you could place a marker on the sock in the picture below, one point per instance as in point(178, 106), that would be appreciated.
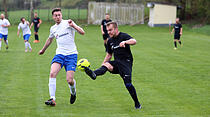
point(52, 87)
point(36, 37)
point(6, 42)
point(0, 45)
point(175, 44)
point(73, 88)
point(26, 45)
point(29, 45)
point(105, 45)
point(100, 71)
point(180, 42)
point(132, 92)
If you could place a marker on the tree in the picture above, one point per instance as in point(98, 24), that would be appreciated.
point(5, 8)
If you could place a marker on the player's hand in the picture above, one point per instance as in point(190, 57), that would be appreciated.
point(17, 34)
point(122, 44)
point(180, 33)
point(3, 25)
point(71, 23)
point(103, 33)
point(41, 52)
point(38, 25)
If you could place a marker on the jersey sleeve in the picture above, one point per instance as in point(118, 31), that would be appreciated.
point(102, 22)
point(8, 23)
point(180, 25)
point(126, 37)
point(19, 27)
point(51, 34)
point(109, 47)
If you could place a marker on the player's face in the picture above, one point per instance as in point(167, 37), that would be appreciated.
point(57, 16)
point(177, 20)
point(112, 31)
point(2, 16)
point(23, 20)
point(35, 15)
point(107, 17)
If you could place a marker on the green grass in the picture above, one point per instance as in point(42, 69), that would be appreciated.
point(168, 82)
point(45, 14)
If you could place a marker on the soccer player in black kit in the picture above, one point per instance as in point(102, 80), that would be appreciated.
point(177, 30)
point(104, 30)
point(119, 46)
point(36, 22)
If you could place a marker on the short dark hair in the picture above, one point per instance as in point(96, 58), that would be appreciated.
point(113, 23)
point(107, 14)
point(22, 18)
point(56, 10)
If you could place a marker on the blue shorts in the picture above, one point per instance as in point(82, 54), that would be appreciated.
point(26, 37)
point(3, 36)
point(68, 61)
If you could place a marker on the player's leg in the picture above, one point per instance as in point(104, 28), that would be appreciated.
point(36, 35)
point(55, 68)
point(179, 41)
point(28, 45)
point(100, 71)
point(72, 85)
point(6, 41)
point(175, 44)
point(125, 71)
point(105, 37)
point(1, 37)
point(70, 67)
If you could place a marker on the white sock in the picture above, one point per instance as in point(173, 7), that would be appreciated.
point(0, 45)
point(29, 45)
point(52, 87)
point(26, 45)
point(73, 88)
point(6, 42)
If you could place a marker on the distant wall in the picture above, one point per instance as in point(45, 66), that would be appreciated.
point(119, 12)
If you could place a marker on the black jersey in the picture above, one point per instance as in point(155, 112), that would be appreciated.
point(177, 28)
point(36, 21)
point(120, 53)
point(104, 22)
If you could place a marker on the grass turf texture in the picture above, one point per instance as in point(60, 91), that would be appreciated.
point(168, 82)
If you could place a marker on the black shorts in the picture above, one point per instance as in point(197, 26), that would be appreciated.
point(36, 29)
point(105, 36)
point(124, 68)
point(177, 36)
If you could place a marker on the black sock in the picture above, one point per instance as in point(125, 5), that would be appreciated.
point(175, 44)
point(132, 92)
point(36, 37)
point(180, 42)
point(100, 71)
point(105, 45)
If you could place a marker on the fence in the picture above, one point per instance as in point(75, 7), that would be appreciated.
point(79, 15)
point(120, 12)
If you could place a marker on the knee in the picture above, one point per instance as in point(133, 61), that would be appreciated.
point(108, 66)
point(70, 80)
point(53, 74)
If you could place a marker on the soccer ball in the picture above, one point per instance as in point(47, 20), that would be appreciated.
point(82, 63)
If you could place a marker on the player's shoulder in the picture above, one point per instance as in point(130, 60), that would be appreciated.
point(53, 27)
point(123, 34)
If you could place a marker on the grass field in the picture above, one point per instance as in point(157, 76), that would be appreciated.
point(168, 82)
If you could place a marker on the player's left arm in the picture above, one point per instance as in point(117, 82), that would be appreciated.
point(40, 21)
point(131, 41)
point(79, 29)
point(180, 31)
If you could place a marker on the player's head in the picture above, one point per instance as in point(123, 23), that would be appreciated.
point(177, 20)
point(35, 14)
point(57, 15)
point(2, 16)
point(112, 29)
point(22, 19)
point(107, 16)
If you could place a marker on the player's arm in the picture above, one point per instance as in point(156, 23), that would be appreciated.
point(31, 25)
point(18, 32)
point(128, 42)
point(40, 21)
point(107, 58)
point(180, 31)
point(172, 31)
point(46, 45)
point(79, 29)
point(102, 31)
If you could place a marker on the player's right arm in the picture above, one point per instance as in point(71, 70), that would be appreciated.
point(18, 32)
point(31, 25)
point(102, 30)
point(46, 45)
point(172, 31)
point(107, 58)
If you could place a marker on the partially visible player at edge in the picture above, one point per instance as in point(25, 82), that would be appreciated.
point(177, 30)
point(119, 46)
point(4, 24)
point(66, 53)
point(104, 30)
point(36, 22)
point(24, 25)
